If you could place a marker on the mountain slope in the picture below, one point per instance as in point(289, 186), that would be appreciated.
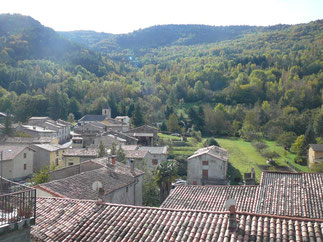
point(164, 35)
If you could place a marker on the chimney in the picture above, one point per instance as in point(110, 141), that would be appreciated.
point(132, 166)
point(113, 160)
point(232, 227)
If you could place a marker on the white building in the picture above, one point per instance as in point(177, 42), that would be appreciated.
point(208, 166)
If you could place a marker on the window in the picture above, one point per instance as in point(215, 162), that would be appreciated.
point(126, 189)
point(205, 163)
point(205, 174)
point(25, 166)
point(57, 152)
point(57, 161)
point(70, 163)
point(155, 162)
point(25, 155)
point(194, 182)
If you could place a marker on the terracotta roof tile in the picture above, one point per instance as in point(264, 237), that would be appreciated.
point(79, 220)
point(79, 186)
point(212, 198)
point(289, 194)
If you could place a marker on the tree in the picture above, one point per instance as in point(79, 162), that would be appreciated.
point(172, 124)
point(286, 139)
point(318, 124)
point(71, 118)
point(137, 116)
point(121, 155)
point(150, 196)
point(101, 150)
point(165, 174)
point(113, 149)
point(309, 138)
point(41, 177)
point(7, 126)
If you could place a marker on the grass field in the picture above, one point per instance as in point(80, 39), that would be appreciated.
point(242, 155)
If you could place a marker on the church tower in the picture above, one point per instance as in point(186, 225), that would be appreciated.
point(106, 110)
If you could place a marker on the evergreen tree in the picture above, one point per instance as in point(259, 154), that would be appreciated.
point(318, 124)
point(101, 150)
point(137, 117)
point(121, 155)
point(7, 126)
point(309, 138)
point(113, 149)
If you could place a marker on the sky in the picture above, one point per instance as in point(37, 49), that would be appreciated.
point(124, 16)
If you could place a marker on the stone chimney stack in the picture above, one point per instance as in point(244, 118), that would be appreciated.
point(132, 166)
point(232, 227)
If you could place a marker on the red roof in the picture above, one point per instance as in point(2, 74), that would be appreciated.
point(79, 220)
point(279, 193)
point(212, 198)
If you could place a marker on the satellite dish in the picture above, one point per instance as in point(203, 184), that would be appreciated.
point(229, 203)
point(96, 186)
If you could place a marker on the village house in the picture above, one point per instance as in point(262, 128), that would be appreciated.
point(315, 154)
point(141, 158)
point(29, 140)
point(146, 135)
point(50, 155)
point(76, 156)
point(157, 154)
point(61, 219)
point(107, 139)
point(62, 128)
point(36, 131)
point(208, 166)
point(16, 161)
point(120, 183)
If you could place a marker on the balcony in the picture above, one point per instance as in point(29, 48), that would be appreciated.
point(17, 206)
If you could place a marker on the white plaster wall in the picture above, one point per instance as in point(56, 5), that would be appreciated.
point(18, 164)
point(216, 168)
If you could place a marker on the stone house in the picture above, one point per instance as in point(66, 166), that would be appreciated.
point(158, 154)
point(50, 155)
point(142, 159)
point(16, 161)
point(315, 154)
point(76, 156)
point(107, 139)
point(34, 131)
point(62, 128)
point(208, 166)
point(146, 135)
point(120, 183)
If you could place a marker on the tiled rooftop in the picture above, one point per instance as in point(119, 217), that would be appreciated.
point(286, 194)
point(317, 147)
point(81, 152)
point(76, 220)
point(212, 198)
point(135, 154)
point(155, 150)
point(49, 147)
point(80, 186)
point(293, 194)
point(213, 150)
point(9, 152)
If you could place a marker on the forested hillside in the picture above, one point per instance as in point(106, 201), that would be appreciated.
point(251, 82)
